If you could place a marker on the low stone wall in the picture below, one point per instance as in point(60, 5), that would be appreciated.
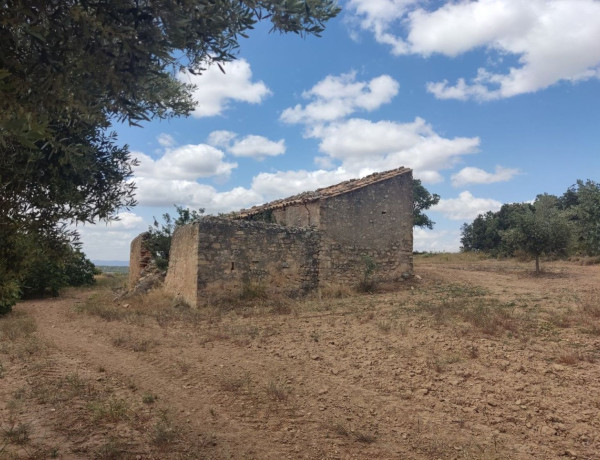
point(139, 258)
point(220, 258)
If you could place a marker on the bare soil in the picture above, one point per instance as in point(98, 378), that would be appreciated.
point(473, 359)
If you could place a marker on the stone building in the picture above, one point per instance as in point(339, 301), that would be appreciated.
point(336, 235)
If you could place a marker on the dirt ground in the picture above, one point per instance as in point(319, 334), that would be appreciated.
point(473, 359)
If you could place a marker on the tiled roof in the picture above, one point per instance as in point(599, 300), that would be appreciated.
point(326, 192)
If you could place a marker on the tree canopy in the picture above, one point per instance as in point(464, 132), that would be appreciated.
point(552, 225)
point(422, 200)
point(70, 69)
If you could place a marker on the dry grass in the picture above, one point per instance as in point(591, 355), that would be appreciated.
point(16, 325)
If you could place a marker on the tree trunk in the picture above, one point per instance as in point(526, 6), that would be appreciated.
point(537, 264)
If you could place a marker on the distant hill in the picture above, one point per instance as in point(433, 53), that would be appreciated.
point(111, 263)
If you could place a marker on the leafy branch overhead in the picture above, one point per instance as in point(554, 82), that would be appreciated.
point(70, 69)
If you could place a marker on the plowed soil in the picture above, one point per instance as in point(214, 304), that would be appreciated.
point(473, 359)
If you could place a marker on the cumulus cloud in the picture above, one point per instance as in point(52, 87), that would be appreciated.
point(252, 146)
point(466, 206)
point(191, 161)
point(472, 175)
point(436, 240)
point(188, 193)
point(165, 140)
point(553, 40)
point(336, 97)
point(110, 241)
point(215, 89)
point(364, 145)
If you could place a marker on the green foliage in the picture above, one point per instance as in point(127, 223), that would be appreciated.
point(556, 225)
point(542, 230)
point(68, 70)
point(422, 200)
point(368, 284)
point(582, 202)
point(485, 232)
point(158, 240)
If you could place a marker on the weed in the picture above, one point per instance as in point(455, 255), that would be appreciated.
point(17, 433)
point(126, 340)
point(112, 449)
point(165, 432)
point(315, 336)
point(363, 437)
point(236, 384)
point(149, 398)
point(113, 411)
point(1, 371)
point(276, 391)
point(384, 326)
point(15, 326)
point(340, 429)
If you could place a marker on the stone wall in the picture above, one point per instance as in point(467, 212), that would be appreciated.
point(373, 223)
point(220, 258)
point(302, 215)
point(182, 274)
point(139, 258)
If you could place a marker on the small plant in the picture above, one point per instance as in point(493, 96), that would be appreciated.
point(165, 432)
point(16, 326)
point(276, 391)
point(368, 284)
point(384, 326)
point(149, 398)
point(17, 433)
point(236, 384)
point(366, 438)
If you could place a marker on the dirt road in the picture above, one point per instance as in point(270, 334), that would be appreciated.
point(476, 359)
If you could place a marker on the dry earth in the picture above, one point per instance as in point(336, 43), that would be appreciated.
point(473, 359)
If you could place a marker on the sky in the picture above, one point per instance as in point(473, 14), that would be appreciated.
point(488, 101)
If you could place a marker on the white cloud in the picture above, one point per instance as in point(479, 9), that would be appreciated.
point(436, 240)
point(466, 206)
point(257, 147)
point(188, 193)
point(110, 241)
point(214, 89)
point(252, 146)
point(472, 175)
point(336, 97)
point(185, 162)
point(363, 145)
point(166, 140)
point(221, 138)
point(553, 40)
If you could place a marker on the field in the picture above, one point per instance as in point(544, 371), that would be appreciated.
point(473, 359)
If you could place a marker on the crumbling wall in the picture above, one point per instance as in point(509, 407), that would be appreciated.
point(372, 226)
point(299, 215)
point(139, 258)
point(219, 258)
point(182, 274)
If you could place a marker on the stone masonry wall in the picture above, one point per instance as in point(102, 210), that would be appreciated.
point(236, 257)
point(182, 274)
point(371, 223)
point(139, 258)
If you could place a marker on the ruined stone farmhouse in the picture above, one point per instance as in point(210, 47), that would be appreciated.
point(336, 235)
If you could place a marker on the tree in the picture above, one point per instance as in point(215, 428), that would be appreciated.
point(160, 235)
point(68, 70)
point(582, 203)
point(422, 200)
point(540, 230)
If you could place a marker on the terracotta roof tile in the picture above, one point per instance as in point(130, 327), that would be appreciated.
point(326, 192)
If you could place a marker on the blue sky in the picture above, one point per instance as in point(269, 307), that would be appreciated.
point(489, 101)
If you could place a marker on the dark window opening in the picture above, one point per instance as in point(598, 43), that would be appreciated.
point(232, 266)
point(383, 212)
